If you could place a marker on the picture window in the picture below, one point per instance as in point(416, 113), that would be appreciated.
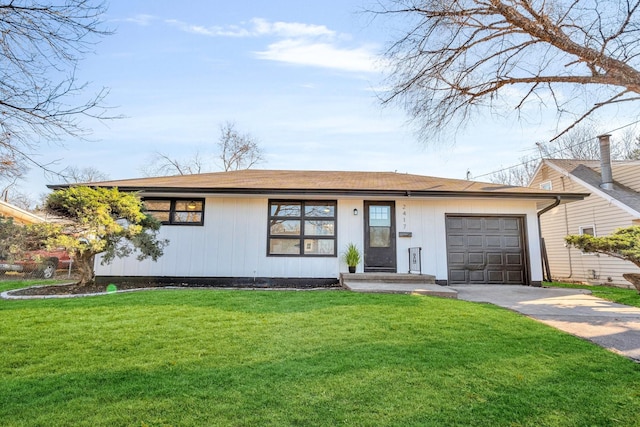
point(302, 228)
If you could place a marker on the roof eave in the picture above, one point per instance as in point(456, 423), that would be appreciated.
point(347, 192)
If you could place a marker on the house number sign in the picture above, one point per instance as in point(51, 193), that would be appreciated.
point(404, 216)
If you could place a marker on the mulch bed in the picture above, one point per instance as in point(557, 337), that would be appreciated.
point(75, 289)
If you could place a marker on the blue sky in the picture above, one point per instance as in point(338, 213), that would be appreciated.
point(300, 76)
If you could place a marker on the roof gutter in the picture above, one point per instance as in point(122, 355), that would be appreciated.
point(545, 263)
point(334, 192)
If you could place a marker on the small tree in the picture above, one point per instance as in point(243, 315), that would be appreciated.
point(103, 220)
point(624, 244)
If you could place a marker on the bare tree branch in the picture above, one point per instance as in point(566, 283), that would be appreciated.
point(41, 44)
point(235, 151)
point(461, 55)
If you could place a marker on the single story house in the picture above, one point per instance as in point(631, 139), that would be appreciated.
point(614, 202)
point(272, 226)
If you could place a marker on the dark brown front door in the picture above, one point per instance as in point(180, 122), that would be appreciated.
point(486, 249)
point(379, 237)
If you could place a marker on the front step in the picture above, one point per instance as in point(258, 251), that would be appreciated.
point(388, 278)
point(421, 284)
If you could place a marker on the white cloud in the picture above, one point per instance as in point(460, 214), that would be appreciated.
point(141, 19)
point(298, 43)
point(213, 31)
point(256, 27)
point(289, 29)
point(317, 54)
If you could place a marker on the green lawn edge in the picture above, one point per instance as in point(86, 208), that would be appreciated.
point(624, 296)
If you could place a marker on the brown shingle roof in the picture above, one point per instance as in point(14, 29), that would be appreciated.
point(320, 182)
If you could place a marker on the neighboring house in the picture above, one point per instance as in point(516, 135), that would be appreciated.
point(20, 216)
point(611, 205)
point(272, 227)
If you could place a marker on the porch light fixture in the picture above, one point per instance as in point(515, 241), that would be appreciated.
point(355, 211)
point(191, 205)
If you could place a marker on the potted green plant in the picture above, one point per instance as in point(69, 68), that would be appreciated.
point(352, 257)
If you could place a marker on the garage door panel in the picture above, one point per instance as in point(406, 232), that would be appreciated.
point(493, 242)
point(496, 276)
point(455, 223)
point(475, 241)
point(512, 242)
point(477, 276)
point(458, 276)
point(494, 258)
point(515, 277)
point(492, 224)
point(476, 258)
point(514, 259)
point(511, 224)
point(456, 241)
point(485, 249)
point(457, 257)
point(474, 224)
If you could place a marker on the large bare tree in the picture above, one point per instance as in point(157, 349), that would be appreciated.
point(235, 151)
point(41, 100)
point(455, 56)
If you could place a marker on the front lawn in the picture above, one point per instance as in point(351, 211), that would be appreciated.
point(312, 358)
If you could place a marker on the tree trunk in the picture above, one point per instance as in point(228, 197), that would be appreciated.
point(634, 279)
point(84, 262)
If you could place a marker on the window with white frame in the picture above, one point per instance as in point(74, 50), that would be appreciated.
point(589, 230)
point(546, 185)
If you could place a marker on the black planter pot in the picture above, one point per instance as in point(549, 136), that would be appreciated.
point(352, 269)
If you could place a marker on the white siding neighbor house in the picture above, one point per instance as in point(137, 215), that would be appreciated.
point(614, 202)
point(272, 227)
point(19, 215)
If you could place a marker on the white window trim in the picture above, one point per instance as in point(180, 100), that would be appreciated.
point(581, 229)
point(545, 184)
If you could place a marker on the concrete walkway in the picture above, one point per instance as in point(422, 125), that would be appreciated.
point(613, 326)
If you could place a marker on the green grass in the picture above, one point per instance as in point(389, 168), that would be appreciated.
point(286, 358)
point(620, 295)
point(8, 285)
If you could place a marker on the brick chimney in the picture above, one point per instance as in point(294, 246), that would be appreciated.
point(605, 163)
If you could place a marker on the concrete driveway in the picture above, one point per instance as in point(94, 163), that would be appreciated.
point(613, 326)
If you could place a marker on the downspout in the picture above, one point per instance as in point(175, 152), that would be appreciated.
point(566, 229)
point(540, 213)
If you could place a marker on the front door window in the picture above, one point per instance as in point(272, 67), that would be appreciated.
point(380, 226)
